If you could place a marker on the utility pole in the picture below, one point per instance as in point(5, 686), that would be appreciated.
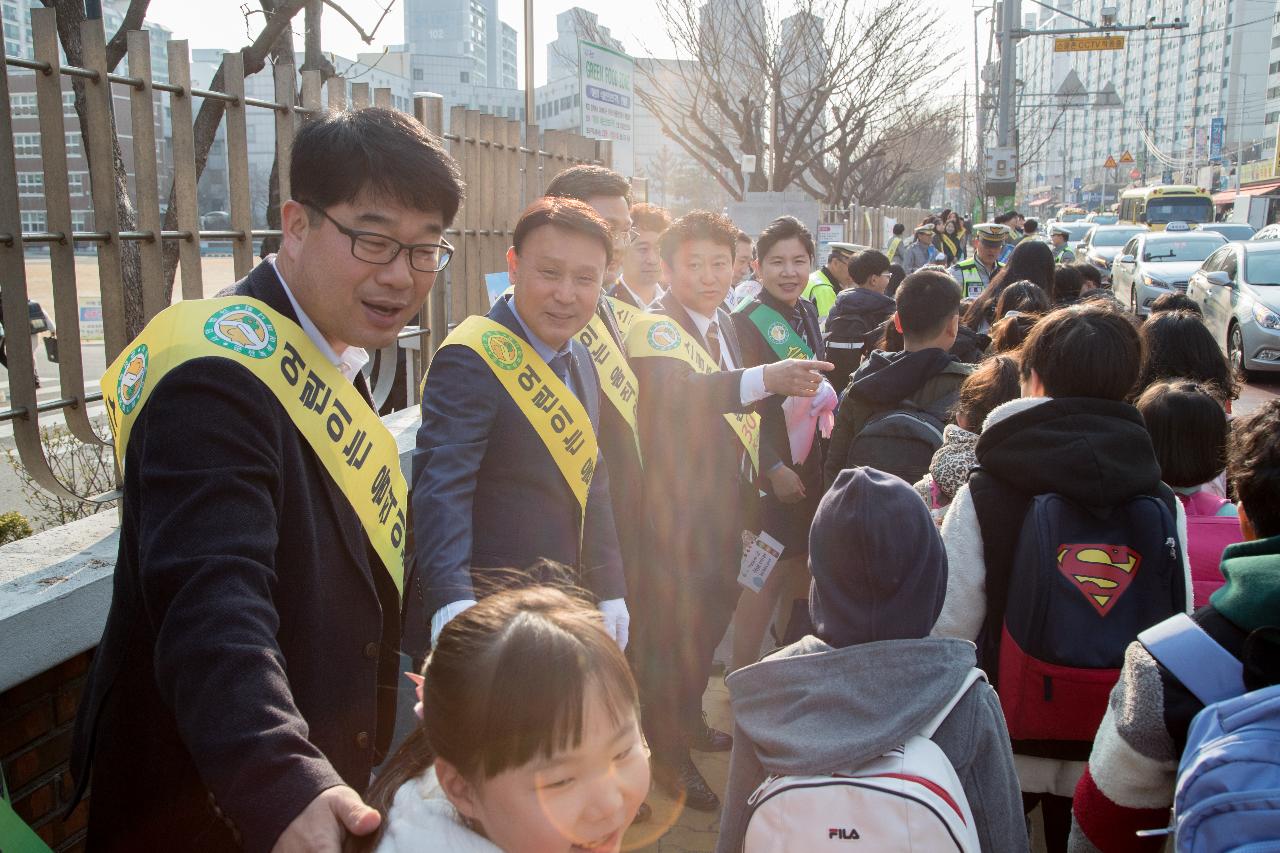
point(979, 163)
point(1010, 20)
point(528, 74)
point(964, 137)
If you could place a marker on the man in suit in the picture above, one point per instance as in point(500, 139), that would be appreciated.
point(700, 491)
point(245, 684)
point(640, 283)
point(485, 480)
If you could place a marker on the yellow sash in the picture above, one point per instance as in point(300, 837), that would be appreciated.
point(557, 416)
point(345, 434)
point(617, 380)
point(625, 314)
point(656, 336)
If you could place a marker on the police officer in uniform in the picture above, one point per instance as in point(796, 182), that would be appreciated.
point(829, 280)
point(1061, 253)
point(973, 273)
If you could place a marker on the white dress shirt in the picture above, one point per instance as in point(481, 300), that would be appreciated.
point(352, 360)
point(654, 305)
point(752, 389)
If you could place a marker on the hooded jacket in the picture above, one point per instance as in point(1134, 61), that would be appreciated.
point(810, 709)
point(923, 377)
point(1094, 452)
point(855, 324)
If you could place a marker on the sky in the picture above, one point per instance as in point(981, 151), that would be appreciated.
point(220, 24)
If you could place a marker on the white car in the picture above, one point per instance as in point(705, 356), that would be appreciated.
point(1158, 262)
point(1238, 290)
point(1103, 242)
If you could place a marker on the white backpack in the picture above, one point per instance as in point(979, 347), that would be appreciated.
point(908, 799)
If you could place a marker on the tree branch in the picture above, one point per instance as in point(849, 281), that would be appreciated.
point(368, 37)
point(118, 47)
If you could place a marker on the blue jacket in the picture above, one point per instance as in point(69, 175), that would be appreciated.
point(486, 492)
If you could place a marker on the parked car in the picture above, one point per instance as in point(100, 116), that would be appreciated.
point(1230, 230)
point(1156, 262)
point(1238, 289)
point(1103, 242)
point(1268, 232)
point(1103, 218)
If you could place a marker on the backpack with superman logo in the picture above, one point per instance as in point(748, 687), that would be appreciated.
point(1085, 581)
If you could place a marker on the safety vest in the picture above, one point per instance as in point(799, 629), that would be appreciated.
point(972, 276)
point(821, 291)
point(338, 424)
point(1060, 254)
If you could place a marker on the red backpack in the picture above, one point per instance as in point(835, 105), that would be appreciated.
point(1207, 535)
point(1084, 582)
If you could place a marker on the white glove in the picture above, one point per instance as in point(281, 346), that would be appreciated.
point(445, 615)
point(617, 620)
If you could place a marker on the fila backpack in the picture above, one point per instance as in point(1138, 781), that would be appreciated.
point(909, 799)
point(1084, 582)
point(1228, 791)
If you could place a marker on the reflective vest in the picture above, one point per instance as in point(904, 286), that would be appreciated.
point(972, 277)
point(821, 291)
point(1060, 255)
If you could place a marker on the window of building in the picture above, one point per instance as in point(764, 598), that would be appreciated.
point(73, 143)
point(22, 104)
point(33, 221)
point(31, 184)
point(77, 182)
point(417, 74)
point(26, 145)
point(465, 76)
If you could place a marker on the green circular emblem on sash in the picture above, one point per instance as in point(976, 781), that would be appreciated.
point(777, 333)
point(242, 329)
point(133, 378)
point(664, 336)
point(503, 349)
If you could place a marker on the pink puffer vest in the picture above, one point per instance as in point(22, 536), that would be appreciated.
point(1207, 535)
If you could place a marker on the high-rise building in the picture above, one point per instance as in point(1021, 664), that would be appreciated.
point(468, 32)
point(1172, 85)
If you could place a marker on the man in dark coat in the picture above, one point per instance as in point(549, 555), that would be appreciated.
point(484, 478)
point(245, 684)
point(699, 490)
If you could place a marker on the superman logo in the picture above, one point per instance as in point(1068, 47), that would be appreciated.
point(1101, 572)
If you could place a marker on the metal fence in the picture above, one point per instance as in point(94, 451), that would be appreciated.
point(506, 166)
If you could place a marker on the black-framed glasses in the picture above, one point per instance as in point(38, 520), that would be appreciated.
point(623, 239)
point(374, 248)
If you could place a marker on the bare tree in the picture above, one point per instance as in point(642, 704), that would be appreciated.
point(275, 37)
point(787, 90)
point(867, 165)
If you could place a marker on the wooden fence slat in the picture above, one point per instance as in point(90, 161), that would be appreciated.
point(486, 188)
point(102, 179)
point(238, 165)
point(461, 266)
point(430, 111)
point(359, 96)
point(185, 193)
point(57, 200)
point(285, 127)
point(337, 94)
point(382, 97)
point(145, 174)
point(531, 164)
point(13, 296)
point(511, 207)
point(311, 83)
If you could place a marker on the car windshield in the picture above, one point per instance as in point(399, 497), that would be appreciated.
point(1118, 237)
point(1077, 230)
point(1173, 209)
point(1262, 268)
point(1183, 249)
point(1105, 219)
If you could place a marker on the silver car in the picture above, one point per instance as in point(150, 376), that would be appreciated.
point(1155, 263)
point(1103, 242)
point(1238, 289)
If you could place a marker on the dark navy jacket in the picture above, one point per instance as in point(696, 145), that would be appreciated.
point(487, 490)
point(250, 656)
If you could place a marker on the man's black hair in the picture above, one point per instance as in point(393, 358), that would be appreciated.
point(1031, 226)
point(1086, 350)
point(866, 264)
point(339, 156)
point(782, 228)
point(1253, 467)
point(1174, 301)
point(698, 225)
point(1002, 218)
point(927, 300)
point(585, 182)
point(899, 229)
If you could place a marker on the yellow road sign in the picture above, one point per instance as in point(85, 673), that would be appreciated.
point(1126, 157)
point(1110, 164)
point(1071, 45)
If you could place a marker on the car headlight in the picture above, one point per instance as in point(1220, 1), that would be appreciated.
point(1265, 317)
point(1152, 281)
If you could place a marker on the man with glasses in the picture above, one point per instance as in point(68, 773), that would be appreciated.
point(245, 684)
point(507, 469)
point(858, 318)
